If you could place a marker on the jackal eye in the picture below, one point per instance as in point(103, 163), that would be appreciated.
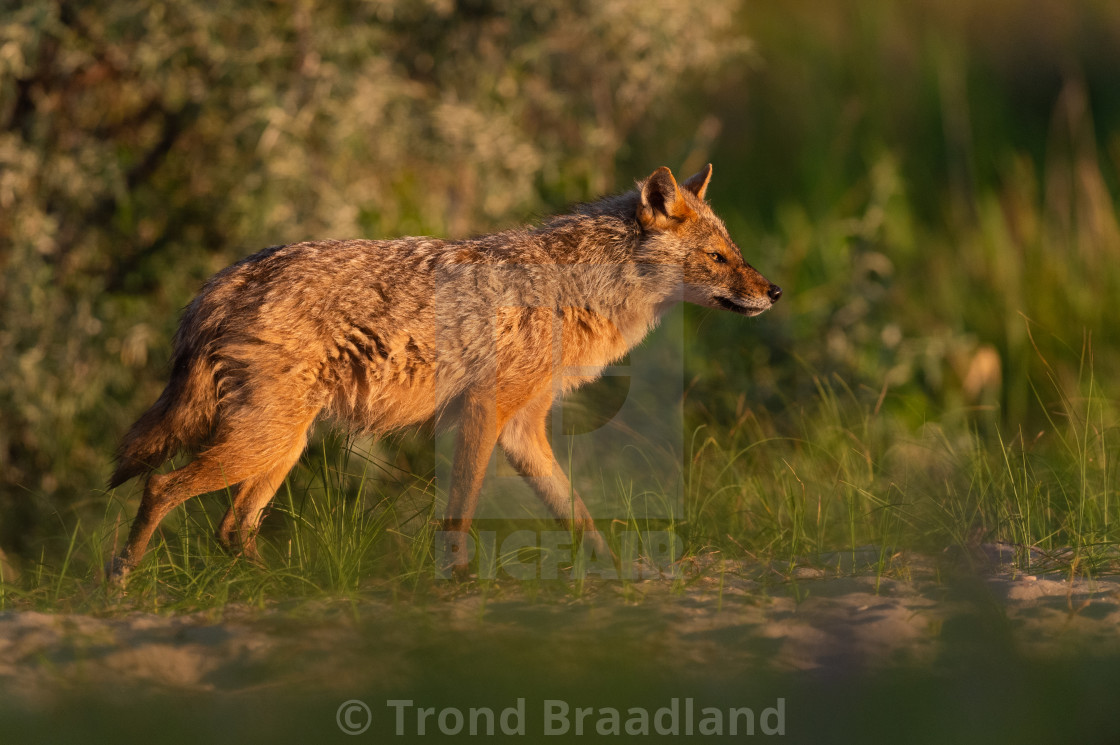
point(717, 257)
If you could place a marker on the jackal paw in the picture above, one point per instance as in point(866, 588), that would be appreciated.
point(243, 547)
point(117, 570)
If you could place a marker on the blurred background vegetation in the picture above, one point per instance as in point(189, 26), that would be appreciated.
point(933, 183)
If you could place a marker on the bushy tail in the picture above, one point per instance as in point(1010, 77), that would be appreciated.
point(182, 417)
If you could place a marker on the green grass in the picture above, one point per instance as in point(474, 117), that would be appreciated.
point(834, 474)
point(853, 477)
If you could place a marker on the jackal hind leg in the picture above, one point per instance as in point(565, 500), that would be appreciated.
point(238, 530)
point(525, 441)
point(217, 468)
point(251, 452)
point(241, 522)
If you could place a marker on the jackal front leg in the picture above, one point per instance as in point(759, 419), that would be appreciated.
point(478, 432)
point(524, 438)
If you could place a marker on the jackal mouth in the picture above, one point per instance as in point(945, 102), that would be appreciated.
point(734, 307)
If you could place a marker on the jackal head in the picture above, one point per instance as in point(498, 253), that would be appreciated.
point(681, 230)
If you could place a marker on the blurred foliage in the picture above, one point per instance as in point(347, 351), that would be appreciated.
point(932, 183)
point(934, 186)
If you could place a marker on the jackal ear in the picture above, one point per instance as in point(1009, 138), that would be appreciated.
point(698, 183)
point(661, 201)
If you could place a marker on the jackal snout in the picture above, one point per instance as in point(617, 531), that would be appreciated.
point(713, 270)
point(722, 279)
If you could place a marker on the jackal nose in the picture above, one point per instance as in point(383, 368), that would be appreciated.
point(774, 292)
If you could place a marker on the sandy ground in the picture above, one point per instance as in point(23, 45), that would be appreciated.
point(828, 618)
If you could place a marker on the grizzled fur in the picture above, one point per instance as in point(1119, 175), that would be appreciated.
point(377, 335)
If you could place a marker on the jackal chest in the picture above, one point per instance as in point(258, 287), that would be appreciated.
point(590, 340)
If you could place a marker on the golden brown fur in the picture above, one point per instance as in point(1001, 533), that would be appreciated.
point(379, 335)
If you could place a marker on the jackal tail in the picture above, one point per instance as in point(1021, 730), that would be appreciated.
point(182, 418)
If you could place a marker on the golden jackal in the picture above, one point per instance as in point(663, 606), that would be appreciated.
point(383, 334)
